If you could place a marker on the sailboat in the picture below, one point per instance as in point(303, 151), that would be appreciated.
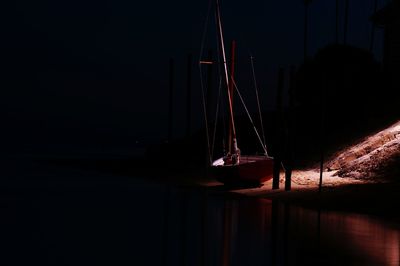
point(233, 167)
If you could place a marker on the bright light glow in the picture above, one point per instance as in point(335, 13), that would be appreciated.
point(218, 162)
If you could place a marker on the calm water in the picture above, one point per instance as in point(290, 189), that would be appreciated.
point(67, 217)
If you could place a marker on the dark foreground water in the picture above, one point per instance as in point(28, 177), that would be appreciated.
point(56, 216)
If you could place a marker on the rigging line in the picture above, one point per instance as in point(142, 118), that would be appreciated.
point(283, 167)
point(205, 115)
point(202, 85)
point(258, 99)
point(216, 118)
point(203, 37)
point(219, 66)
point(249, 116)
point(224, 125)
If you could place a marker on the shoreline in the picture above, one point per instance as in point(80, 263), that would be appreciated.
point(369, 197)
point(364, 196)
point(373, 199)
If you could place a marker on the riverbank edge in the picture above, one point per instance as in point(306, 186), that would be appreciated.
point(373, 199)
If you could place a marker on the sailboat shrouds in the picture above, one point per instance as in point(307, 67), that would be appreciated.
point(233, 167)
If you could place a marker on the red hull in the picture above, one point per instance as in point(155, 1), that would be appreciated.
point(251, 169)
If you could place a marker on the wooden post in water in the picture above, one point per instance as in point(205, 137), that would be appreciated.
point(322, 133)
point(166, 224)
point(209, 82)
point(321, 166)
point(278, 130)
point(226, 247)
point(274, 232)
point(184, 206)
point(290, 132)
point(204, 229)
point(170, 102)
point(286, 233)
point(188, 95)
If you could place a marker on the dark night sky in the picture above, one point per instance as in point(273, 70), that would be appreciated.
point(97, 71)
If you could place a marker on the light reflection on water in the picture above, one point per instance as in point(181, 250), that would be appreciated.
point(365, 236)
point(243, 231)
point(140, 223)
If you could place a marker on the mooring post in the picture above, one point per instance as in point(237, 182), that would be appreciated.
point(170, 102)
point(286, 233)
point(166, 224)
point(183, 227)
point(322, 128)
point(278, 130)
point(290, 132)
point(321, 167)
point(209, 82)
point(226, 241)
point(274, 232)
point(204, 229)
point(188, 95)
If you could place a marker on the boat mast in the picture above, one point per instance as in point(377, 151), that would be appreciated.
point(230, 91)
point(227, 80)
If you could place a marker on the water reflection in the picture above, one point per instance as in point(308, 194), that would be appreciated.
point(149, 224)
point(243, 231)
point(370, 240)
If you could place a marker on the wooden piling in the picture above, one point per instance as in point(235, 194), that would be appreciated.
point(226, 242)
point(278, 130)
point(204, 229)
point(289, 160)
point(166, 224)
point(322, 129)
point(274, 232)
point(183, 227)
point(286, 233)
point(170, 102)
point(209, 82)
point(188, 95)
